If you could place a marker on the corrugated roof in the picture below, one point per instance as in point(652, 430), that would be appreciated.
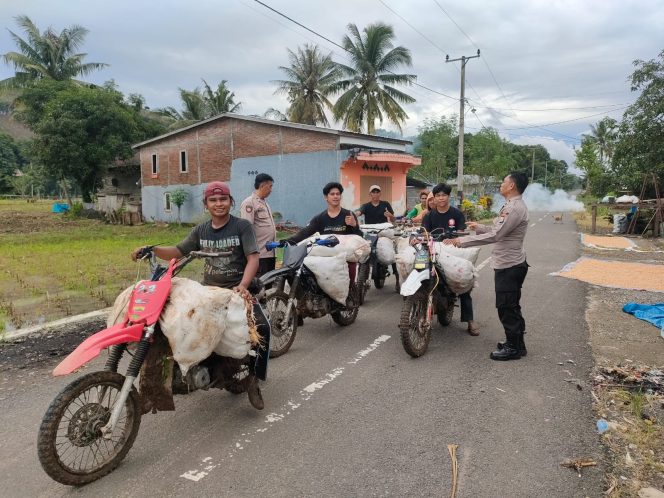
point(285, 124)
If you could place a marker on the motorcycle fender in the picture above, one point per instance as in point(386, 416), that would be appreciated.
point(271, 276)
point(414, 282)
point(93, 345)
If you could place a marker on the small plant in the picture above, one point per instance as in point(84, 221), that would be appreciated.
point(468, 209)
point(179, 197)
point(76, 210)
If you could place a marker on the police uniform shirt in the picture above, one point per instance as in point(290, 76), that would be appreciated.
point(257, 212)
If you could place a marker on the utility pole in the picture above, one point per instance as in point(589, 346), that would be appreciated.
point(546, 171)
point(464, 60)
point(532, 174)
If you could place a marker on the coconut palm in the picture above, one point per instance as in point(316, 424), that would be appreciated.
point(604, 136)
point(47, 55)
point(310, 77)
point(367, 83)
point(220, 100)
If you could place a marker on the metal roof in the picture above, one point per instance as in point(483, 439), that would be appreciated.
point(285, 124)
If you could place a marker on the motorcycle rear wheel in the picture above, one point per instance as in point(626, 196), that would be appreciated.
point(414, 326)
point(379, 282)
point(73, 421)
point(348, 314)
point(282, 334)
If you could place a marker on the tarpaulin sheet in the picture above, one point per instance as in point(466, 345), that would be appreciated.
point(652, 313)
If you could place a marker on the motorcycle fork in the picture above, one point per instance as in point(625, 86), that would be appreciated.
point(130, 377)
point(291, 295)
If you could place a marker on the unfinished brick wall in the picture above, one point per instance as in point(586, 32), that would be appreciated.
point(211, 148)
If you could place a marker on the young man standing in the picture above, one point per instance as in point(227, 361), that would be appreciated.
point(444, 218)
point(376, 211)
point(508, 259)
point(224, 232)
point(256, 211)
point(419, 208)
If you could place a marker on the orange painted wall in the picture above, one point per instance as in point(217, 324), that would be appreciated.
point(353, 197)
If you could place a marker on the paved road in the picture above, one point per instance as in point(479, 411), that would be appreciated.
point(349, 413)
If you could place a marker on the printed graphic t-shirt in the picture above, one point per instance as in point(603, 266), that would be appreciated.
point(325, 225)
point(375, 214)
point(236, 236)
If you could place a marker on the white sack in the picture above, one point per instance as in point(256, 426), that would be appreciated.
point(468, 253)
point(376, 226)
point(459, 273)
point(385, 250)
point(383, 229)
point(198, 320)
point(405, 257)
point(357, 249)
point(327, 252)
point(331, 274)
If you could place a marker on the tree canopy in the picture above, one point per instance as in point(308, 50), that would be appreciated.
point(47, 55)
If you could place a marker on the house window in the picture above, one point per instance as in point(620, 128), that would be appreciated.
point(183, 161)
point(167, 202)
point(155, 165)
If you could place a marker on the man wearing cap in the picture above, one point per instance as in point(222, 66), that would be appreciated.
point(256, 211)
point(225, 232)
point(376, 211)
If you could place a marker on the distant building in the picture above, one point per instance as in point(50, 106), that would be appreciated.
point(301, 159)
point(120, 193)
point(475, 186)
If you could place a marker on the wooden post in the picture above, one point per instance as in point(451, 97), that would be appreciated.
point(594, 214)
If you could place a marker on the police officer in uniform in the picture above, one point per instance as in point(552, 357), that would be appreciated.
point(508, 259)
point(256, 211)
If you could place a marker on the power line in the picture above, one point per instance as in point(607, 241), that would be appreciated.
point(411, 26)
point(341, 47)
point(557, 108)
point(567, 120)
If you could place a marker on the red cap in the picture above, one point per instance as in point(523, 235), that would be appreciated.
point(216, 188)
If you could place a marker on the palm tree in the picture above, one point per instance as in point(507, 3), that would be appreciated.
point(193, 107)
point(369, 94)
point(47, 55)
point(220, 100)
point(310, 79)
point(603, 136)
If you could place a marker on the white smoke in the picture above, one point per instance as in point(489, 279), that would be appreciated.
point(538, 198)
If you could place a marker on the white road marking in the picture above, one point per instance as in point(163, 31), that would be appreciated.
point(483, 263)
point(207, 464)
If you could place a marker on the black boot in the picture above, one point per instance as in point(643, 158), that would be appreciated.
point(522, 347)
point(254, 392)
point(507, 352)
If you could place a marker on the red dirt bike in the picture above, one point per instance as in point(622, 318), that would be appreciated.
point(91, 425)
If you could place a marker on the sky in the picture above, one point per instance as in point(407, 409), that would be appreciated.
point(547, 69)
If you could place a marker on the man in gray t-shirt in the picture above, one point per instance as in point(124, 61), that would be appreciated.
point(236, 236)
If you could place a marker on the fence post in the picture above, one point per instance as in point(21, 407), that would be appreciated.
point(594, 214)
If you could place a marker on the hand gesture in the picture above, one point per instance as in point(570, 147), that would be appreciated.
point(451, 242)
point(350, 220)
point(471, 225)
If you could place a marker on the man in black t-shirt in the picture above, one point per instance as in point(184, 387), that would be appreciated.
point(376, 211)
point(443, 219)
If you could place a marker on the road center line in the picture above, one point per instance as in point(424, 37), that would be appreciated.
point(483, 263)
point(208, 464)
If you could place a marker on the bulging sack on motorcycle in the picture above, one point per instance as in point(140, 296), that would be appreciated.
point(386, 229)
point(459, 273)
point(198, 320)
point(467, 253)
point(385, 250)
point(357, 248)
point(327, 252)
point(331, 274)
point(404, 258)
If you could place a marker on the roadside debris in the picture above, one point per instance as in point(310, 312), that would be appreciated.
point(578, 463)
point(650, 380)
point(455, 468)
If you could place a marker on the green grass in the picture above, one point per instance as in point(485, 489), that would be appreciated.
point(71, 266)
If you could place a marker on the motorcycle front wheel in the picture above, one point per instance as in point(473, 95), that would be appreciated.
point(282, 334)
point(363, 281)
point(347, 315)
point(415, 326)
point(70, 444)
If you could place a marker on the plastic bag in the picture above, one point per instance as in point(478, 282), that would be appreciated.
point(459, 273)
point(331, 273)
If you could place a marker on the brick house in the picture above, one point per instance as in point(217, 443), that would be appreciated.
point(301, 159)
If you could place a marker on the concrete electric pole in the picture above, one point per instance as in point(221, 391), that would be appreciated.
point(462, 101)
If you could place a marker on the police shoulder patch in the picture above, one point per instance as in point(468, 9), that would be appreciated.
point(249, 208)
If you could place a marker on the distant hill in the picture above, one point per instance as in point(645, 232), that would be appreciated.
point(8, 125)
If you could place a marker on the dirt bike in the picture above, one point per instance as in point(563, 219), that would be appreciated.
point(304, 298)
point(425, 292)
point(91, 425)
point(372, 267)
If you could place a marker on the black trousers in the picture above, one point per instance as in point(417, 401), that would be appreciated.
point(508, 283)
point(265, 265)
point(259, 365)
point(466, 305)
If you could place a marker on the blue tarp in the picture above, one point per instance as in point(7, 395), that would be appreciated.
point(653, 313)
point(60, 207)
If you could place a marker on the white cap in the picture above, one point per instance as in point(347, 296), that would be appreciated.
point(374, 187)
